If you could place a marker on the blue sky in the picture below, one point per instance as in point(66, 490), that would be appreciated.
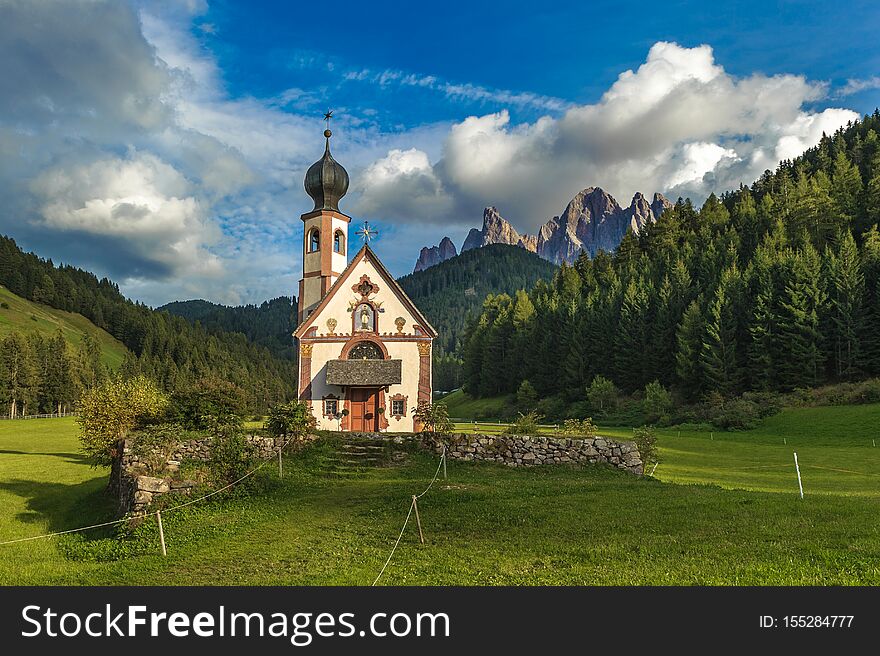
point(164, 143)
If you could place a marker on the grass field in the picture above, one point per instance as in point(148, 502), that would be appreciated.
point(460, 405)
point(485, 525)
point(27, 317)
point(835, 447)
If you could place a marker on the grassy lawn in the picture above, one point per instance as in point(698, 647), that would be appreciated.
point(460, 405)
point(834, 447)
point(27, 317)
point(485, 525)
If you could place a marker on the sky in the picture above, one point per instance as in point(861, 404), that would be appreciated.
point(163, 144)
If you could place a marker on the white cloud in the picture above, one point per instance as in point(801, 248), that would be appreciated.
point(402, 185)
point(140, 200)
point(679, 124)
point(856, 86)
point(458, 91)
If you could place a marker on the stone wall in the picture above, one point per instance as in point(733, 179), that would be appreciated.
point(529, 451)
point(136, 487)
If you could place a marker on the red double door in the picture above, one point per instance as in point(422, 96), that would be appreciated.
point(363, 408)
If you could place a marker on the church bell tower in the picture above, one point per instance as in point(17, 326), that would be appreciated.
point(325, 229)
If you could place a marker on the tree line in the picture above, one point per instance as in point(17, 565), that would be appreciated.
point(767, 288)
point(168, 349)
point(46, 375)
point(269, 324)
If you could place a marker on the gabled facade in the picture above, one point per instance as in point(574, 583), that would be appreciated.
point(364, 348)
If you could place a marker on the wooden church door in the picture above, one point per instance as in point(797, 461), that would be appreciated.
point(364, 405)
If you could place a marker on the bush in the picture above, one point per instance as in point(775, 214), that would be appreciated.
point(734, 414)
point(292, 419)
point(210, 404)
point(4, 305)
point(602, 395)
point(526, 397)
point(658, 404)
point(232, 456)
point(525, 424)
point(551, 408)
point(646, 440)
point(109, 411)
point(156, 444)
point(579, 428)
point(434, 417)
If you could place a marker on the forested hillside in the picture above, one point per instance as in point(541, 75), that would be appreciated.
point(18, 315)
point(771, 287)
point(169, 349)
point(453, 290)
point(269, 324)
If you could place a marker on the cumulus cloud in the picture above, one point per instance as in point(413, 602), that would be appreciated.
point(141, 201)
point(679, 124)
point(402, 185)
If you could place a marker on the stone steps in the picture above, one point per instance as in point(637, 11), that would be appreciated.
point(356, 455)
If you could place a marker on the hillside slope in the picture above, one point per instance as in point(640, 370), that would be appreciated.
point(268, 324)
point(27, 317)
point(448, 292)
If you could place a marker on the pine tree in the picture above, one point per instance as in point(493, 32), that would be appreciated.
point(846, 187)
point(631, 339)
point(869, 333)
point(718, 352)
point(801, 340)
point(687, 358)
point(846, 298)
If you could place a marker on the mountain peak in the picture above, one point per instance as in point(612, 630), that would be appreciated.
point(428, 257)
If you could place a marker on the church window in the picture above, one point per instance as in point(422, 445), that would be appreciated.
point(398, 407)
point(331, 407)
point(365, 318)
point(366, 351)
point(314, 240)
point(339, 242)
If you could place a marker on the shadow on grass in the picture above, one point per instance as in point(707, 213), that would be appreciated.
point(76, 458)
point(65, 506)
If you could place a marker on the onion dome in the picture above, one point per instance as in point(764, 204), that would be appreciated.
point(326, 180)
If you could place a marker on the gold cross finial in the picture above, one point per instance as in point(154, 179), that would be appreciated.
point(367, 233)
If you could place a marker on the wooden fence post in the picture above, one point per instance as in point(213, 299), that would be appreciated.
point(418, 521)
point(161, 533)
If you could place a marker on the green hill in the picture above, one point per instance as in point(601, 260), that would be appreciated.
point(450, 291)
point(268, 324)
point(22, 316)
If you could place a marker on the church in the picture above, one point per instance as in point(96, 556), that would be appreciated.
point(364, 347)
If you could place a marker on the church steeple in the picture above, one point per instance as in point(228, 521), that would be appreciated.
point(326, 180)
point(325, 228)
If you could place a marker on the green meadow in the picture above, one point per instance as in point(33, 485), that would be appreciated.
point(722, 509)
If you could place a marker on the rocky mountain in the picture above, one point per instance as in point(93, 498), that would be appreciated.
point(592, 221)
point(428, 257)
point(497, 230)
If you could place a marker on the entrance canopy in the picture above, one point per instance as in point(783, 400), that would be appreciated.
point(363, 372)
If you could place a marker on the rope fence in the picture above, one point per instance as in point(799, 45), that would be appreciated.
point(413, 506)
point(157, 512)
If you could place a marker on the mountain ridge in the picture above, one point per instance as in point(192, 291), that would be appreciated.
point(592, 221)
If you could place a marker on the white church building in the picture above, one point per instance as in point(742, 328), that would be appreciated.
point(364, 347)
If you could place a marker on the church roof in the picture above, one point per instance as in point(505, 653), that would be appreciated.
point(364, 372)
point(366, 252)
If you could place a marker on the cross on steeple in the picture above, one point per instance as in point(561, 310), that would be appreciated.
point(367, 233)
point(327, 116)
